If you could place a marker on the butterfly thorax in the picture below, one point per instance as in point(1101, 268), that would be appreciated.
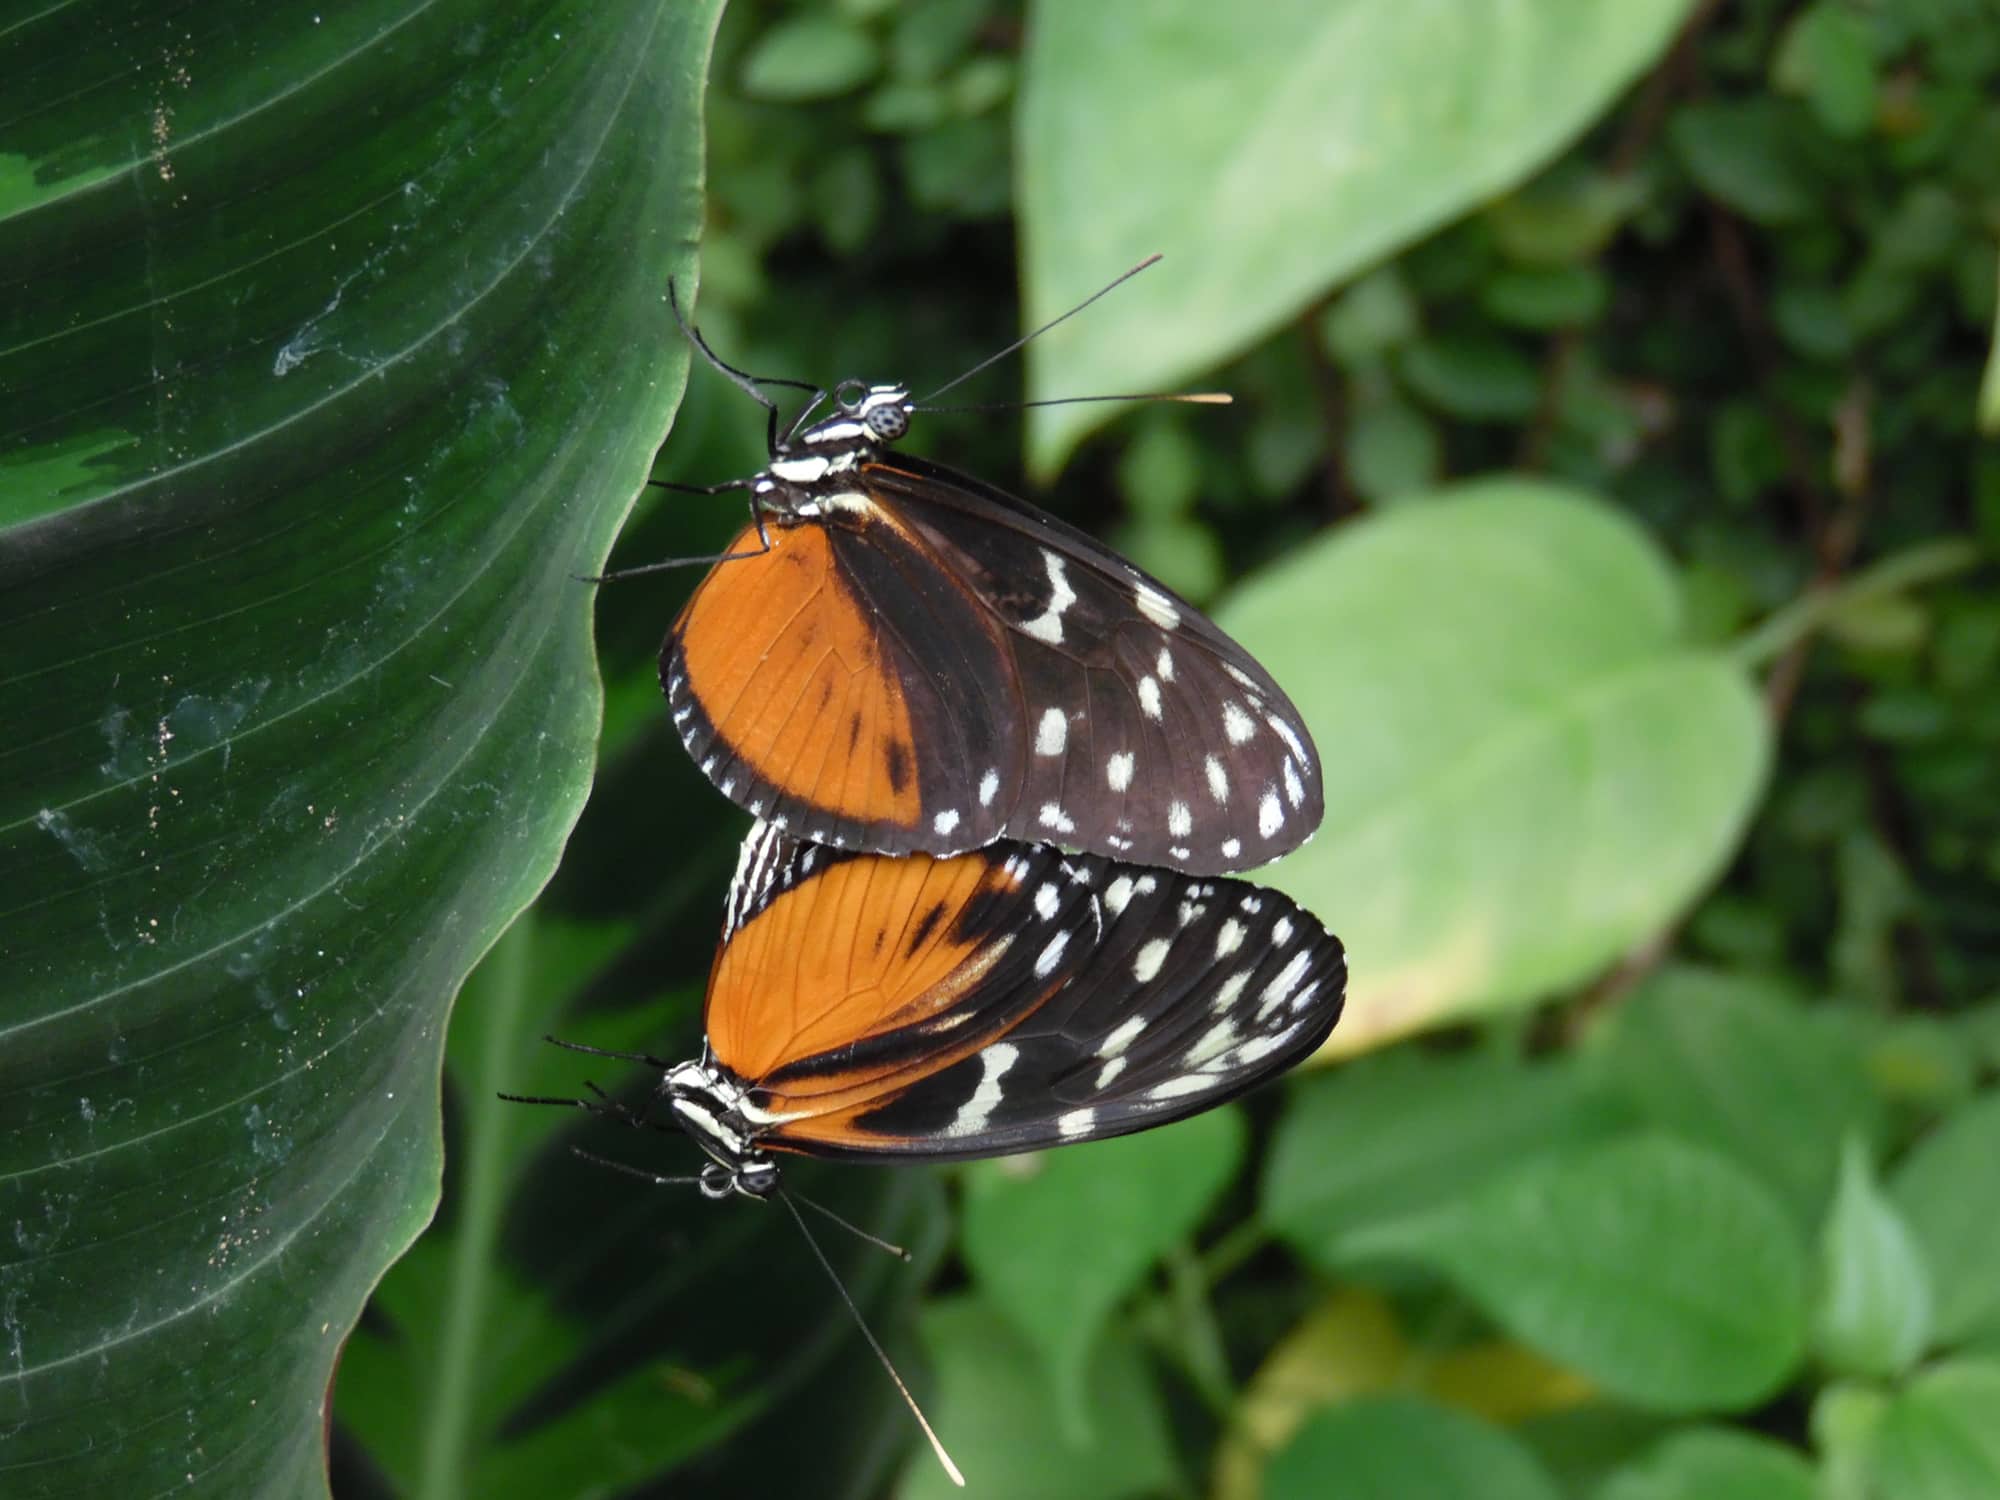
point(809, 476)
point(710, 1106)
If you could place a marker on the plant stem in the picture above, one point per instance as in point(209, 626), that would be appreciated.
point(499, 983)
point(1893, 575)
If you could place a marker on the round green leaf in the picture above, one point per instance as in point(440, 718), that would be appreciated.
point(1396, 1447)
point(346, 350)
point(1272, 157)
point(1715, 1463)
point(809, 57)
point(1660, 1272)
point(1054, 1241)
point(1528, 766)
point(1734, 1062)
point(1405, 1132)
point(1940, 1439)
point(1946, 1190)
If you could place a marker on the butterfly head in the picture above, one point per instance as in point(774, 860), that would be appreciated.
point(708, 1105)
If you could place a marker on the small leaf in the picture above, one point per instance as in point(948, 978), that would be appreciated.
point(1396, 1447)
point(1828, 56)
point(1500, 666)
point(1560, 297)
point(1271, 159)
point(1008, 1429)
point(1715, 1463)
point(1741, 151)
point(1479, 379)
point(1055, 1241)
point(1733, 1062)
point(809, 57)
point(1404, 1133)
point(1946, 1190)
point(1874, 1311)
point(1392, 450)
point(1940, 1439)
point(1661, 1272)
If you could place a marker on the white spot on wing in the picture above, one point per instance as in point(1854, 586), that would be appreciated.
point(1229, 939)
point(1146, 967)
point(1179, 820)
point(1149, 697)
point(1279, 990)
point(1187, 1083)
point(1052, 816)
point(974, 1113)
point(1238, 725)
point(1118, 770)
point(1218, 779)
point(1121, 1037)
point(1288, 734)
point(945, 821)
point(1077, 1122)
point(1048, 626)
point(1281, 931)
point(1117, 894)
point(1052, 733)
point(1293, 788)
point(1050, 956)
point(1270, 815)
point(1156, 606)
point(1109, 1071)
point(1047, 899)
point(1165, 665)
point(1231, 848)
point(988, 785)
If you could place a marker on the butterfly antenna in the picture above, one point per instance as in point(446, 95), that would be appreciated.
point(854, 1229)
point(1193, 398)
point(742, 379)
point(638, 1057)
point(995, 358)
point(860, 1322)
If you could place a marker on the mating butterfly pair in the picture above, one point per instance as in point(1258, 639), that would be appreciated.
point(904, 673)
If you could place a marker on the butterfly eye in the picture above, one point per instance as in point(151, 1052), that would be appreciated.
point(850, 394)
point(888, 421)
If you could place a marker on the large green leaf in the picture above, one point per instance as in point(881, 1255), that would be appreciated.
point(1529, 767)
point(1945, 1189)
point(1271, 155)
point(1734, 1061)
point(1663, 1273)
point(334, 346)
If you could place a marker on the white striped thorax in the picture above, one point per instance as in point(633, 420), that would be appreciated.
point(867, 417)
point(713, 1109)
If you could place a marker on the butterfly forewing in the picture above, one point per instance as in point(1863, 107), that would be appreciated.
point(1003, 1000)
point(1149, 733)
point(927, 663)
point(831, 685)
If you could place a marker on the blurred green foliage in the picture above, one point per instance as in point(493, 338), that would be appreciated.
point(1689, 1192)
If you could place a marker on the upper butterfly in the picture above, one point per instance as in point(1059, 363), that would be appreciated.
point(906, 659)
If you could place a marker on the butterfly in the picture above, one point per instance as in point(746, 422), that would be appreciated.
point(925, 1009)
point(896, 657)
point(1004, 1000)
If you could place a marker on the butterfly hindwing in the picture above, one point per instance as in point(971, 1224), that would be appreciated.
point(1003, 1000)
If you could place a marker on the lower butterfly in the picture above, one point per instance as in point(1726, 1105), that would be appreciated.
point(1005, 1000)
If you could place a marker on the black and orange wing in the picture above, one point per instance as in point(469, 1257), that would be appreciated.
point(843, 687)
point(929, 664)
point(1004, 1000)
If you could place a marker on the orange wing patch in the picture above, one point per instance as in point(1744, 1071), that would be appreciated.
point(786, 664)
point(868, 947)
